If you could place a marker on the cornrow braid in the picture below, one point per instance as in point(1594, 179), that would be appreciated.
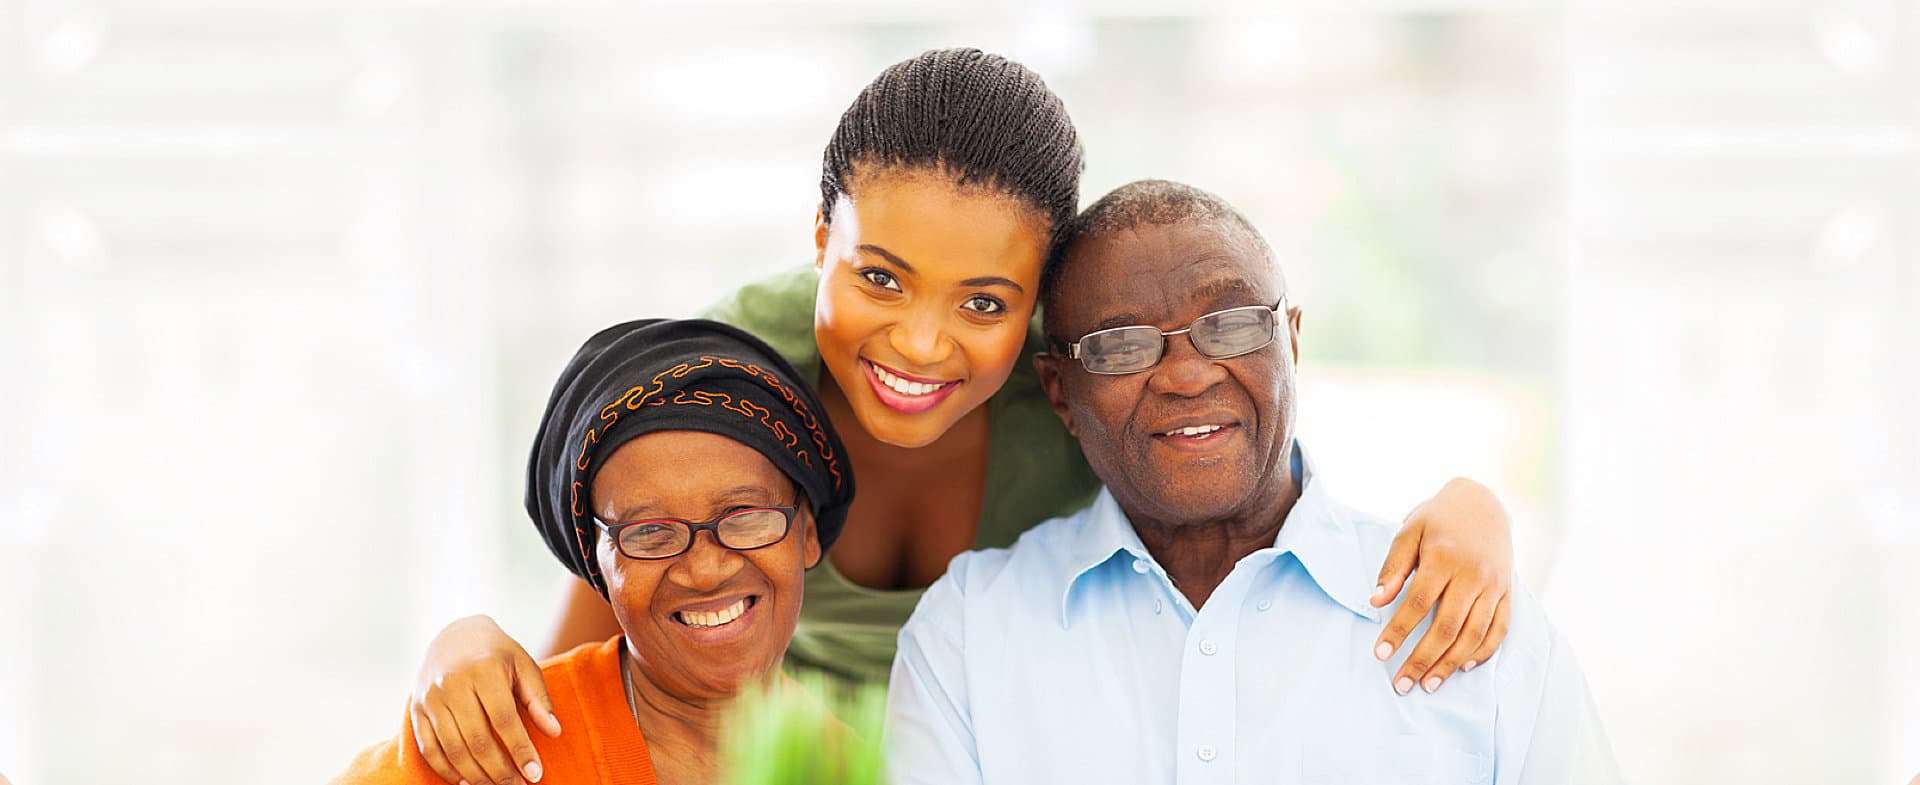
point(978, 117)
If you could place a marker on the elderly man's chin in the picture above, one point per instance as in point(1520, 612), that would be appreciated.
point(1181, 486)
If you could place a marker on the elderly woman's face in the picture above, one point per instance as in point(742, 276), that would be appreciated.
point(679, 613)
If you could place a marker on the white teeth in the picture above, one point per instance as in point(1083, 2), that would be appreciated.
point(714, 618)
point(903, 386)
point(1194, 430)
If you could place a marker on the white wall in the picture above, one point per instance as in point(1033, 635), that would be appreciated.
point(282, 289)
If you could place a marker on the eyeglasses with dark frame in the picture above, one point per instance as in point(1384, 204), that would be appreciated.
point(1219, 335)
point(664, 538)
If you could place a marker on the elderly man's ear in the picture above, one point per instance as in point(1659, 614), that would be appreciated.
point(1293, 332)
point(1048, 366)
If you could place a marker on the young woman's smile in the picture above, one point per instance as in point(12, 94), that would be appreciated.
point(905, 393)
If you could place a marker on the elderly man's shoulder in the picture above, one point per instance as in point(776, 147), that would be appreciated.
point(1036, 561)
point(1530, 635)
point(1371, 532)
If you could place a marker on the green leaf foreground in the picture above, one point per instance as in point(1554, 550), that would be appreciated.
point(812, 730)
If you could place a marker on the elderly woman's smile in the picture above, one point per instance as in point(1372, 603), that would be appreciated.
point(718, 610)
point(704, 618)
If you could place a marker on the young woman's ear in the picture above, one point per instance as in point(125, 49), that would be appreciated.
point(819, 239)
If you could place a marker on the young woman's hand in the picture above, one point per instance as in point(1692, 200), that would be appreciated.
point(469, 692)
point(1461, 541)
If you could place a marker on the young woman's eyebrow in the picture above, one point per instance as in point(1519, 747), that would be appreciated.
point(887, 255)
point(994, 280)
point(985, 280)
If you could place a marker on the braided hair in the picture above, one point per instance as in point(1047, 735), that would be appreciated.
point(979, 118)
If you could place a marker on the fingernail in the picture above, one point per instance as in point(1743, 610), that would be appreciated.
point(1403, 686)
point(1382, 651)
point(1379, 590)
point(1469, 665)
point(533, 770)
point(1433, 683)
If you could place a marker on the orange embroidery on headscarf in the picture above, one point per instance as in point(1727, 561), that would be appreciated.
point(646, 395)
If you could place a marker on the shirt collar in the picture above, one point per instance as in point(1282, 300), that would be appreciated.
point(1320, 534)
point(1105, 534)
point(1316, 533)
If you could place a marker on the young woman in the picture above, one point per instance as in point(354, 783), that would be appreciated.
point(940, 192)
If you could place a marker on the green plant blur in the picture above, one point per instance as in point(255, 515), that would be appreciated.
point(813, 730)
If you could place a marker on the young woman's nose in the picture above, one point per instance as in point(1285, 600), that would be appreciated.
point(921, 339)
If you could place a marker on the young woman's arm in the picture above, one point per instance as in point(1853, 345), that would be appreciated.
point(584, 618)
point(473, 681)
point(1462, 542)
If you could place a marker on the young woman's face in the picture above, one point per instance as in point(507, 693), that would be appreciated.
point(926, 290)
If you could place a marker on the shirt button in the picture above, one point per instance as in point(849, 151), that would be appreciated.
point(1208, 648)
point(1266, 604)
point(1140, 566)
point(1208, 753)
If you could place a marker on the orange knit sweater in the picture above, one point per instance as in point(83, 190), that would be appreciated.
point(598, 741)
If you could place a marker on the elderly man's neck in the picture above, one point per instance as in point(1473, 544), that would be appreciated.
point(1199, 552)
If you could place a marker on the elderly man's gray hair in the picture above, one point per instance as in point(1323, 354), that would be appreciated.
point(1141, 203)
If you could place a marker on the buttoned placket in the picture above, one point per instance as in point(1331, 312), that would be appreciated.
point(1209, 702)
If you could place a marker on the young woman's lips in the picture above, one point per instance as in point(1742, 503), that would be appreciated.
point(903, 393)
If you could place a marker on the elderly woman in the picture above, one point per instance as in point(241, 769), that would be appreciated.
point(684, 474)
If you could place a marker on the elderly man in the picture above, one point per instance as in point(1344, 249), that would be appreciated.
point(1200, 622)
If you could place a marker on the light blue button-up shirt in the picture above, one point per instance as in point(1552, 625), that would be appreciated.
point(1071, 658)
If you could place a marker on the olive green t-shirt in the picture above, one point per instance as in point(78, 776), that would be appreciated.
point(1034, 472)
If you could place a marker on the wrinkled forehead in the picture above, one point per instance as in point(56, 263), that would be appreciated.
point(686, 474)
point(1160, 272)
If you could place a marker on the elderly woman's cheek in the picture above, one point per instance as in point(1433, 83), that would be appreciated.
point(623, 584)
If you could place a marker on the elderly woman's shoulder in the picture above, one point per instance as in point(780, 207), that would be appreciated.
point(577, 681)
point(584, 679)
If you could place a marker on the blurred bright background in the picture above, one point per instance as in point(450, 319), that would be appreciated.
point(283, 287)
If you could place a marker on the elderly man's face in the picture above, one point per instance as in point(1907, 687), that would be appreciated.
point(1166, 276)
point(704, 623)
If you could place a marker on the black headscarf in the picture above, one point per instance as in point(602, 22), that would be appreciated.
point(688, 375)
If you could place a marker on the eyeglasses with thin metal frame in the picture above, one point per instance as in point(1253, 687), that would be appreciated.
point(1219, 335)
point(664, 538)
